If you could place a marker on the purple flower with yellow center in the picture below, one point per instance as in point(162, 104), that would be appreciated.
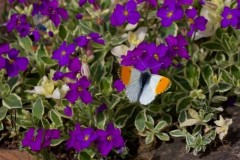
point(160, 59)
point(33, 139)
point(109, 139)
point(128, 13)
point(82, 2)
point(169, 12)
point(83, 41)
point(79, 90)
point(49, 135)
point(51, 10)
point(80, 138)
point(229, 17)
point(196, 23)
point(68, 111)
point(177, 46)
point(14, 64)
point(118, 85)
point(62, 54)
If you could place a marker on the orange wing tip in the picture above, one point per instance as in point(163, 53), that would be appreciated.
point(125, 74)
point(163, 85)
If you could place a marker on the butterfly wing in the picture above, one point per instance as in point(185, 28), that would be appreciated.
point(156, 85)
point(131, 79)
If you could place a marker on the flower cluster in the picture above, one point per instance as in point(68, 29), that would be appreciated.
point(153, 57)
point(10, 60)
point(40, 138)
point(105, 140)
point(20, 24)
point(64, 55)
point(50, 9)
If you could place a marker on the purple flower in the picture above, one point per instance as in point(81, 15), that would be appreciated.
point(160, 59)
point(51, 9)
point(50, 33)
point(177, 46)
point(118, 84)
point(34, 141)
point(79, 16)
point(62, 54)
point(101, 108)
point(14, 64)
point(128, 13)
point(68, 111)
point(80, 138)
point(185, 2)
point(196, 23)
point(79, 90)
point(83, 41)
point(19, 22)
point(109, 139)
point(4, 48)
point(49, 135)
point(169, 12)
point(82, 2)
point(229, 17)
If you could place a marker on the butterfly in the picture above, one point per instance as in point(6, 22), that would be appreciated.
point(142, 86)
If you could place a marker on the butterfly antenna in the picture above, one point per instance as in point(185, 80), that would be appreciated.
point(142, 62)
point(156, 65)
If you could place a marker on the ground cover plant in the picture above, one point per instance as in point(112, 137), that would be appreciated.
point(88, 79)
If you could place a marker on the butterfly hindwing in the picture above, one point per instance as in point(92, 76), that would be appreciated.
point(156, 85)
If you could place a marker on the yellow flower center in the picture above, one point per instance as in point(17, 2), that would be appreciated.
point(125, 13)
point(169, 14)
point(63, 53)
point(79, 89)
point(190, 21)
point(11, 61)
point(175, 48)
point(156, 56)
point(109, 138)
point(229, 16)
point(86, 137)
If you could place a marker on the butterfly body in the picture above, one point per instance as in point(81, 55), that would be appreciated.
point(142, 86)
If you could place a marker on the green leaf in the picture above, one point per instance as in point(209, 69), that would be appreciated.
point(1, 127)
point(237, 90)
point(55, 118)
point(56, 142)
point(192, 72)
point(212, 46)
point(140, 121)
point(197, 129)
point(150, 137)
point(219, 99)
point(160, 126)
point(106, 85)
point(121, 120)
point(101, 120)
point(224, 87)
point(163, 136)
point(25, 43)
point(235, 70)
point(48, 61)
point(207, 74)
point(182, 116)
point(85, 156)
point(183, 103)
point(177, 133)
point(3, 112)
point(225, 75)
point(38, 109)
point(62, 32)
point(12, 101)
